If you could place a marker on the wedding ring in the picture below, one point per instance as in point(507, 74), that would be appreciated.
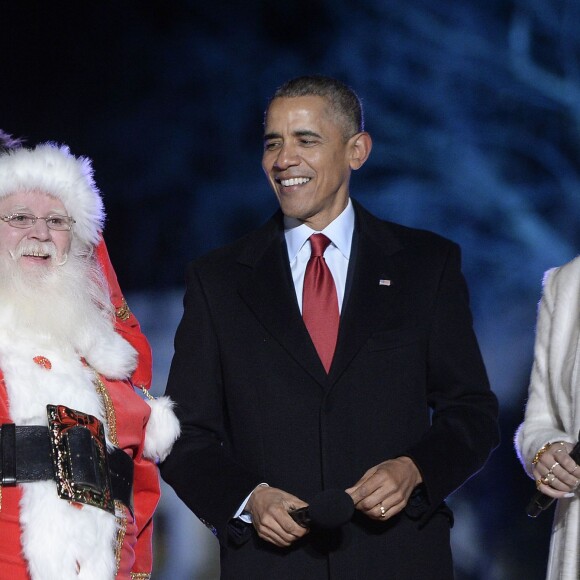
point(383, 511)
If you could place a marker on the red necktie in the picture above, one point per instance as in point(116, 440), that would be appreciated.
point(319, 301)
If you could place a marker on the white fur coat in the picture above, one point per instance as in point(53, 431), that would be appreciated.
point(553, 407)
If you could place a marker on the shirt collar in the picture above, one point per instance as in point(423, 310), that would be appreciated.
point(339, 231)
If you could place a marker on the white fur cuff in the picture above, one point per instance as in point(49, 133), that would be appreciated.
point(162, 429)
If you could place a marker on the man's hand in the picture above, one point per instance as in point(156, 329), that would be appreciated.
point(384, 490)
point(269, 508)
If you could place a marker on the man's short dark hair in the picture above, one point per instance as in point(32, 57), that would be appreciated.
point(342, 99)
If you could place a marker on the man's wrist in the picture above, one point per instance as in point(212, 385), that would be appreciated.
point(244, 513)
point(412, 466)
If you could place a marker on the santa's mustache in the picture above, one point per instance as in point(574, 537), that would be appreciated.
point(46, 250)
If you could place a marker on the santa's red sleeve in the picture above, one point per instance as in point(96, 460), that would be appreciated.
point(126, 323)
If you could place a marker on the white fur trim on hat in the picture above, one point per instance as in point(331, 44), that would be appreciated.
point(52, 169)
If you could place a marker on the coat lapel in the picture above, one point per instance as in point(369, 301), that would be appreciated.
point(373, 285)
point(266, 287)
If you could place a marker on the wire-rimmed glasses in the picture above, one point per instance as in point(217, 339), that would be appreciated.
point(25, 221)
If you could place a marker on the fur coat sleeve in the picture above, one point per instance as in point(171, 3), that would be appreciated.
point(552, 411)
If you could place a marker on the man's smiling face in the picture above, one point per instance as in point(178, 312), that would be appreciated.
point(307, 159)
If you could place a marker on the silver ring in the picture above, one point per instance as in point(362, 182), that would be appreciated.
point(383, 511)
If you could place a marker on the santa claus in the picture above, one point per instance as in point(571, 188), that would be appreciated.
point(78, 441)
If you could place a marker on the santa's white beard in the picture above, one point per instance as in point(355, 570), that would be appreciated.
point(61, 314)
point(59, 303)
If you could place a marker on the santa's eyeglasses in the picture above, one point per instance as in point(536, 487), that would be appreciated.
point(24, 221)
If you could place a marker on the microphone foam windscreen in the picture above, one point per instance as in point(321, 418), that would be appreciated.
point(331, 508)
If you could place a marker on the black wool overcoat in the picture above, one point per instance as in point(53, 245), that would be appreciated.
point(256, 405)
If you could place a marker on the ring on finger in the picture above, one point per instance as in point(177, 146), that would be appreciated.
point(552, 468)
point(575, 468)
point(383, 510)
point(545, 479)
point(540, 452)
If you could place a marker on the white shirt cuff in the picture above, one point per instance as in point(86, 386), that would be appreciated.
point(241, 513)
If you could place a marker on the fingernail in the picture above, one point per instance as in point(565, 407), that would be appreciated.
point(569, 495)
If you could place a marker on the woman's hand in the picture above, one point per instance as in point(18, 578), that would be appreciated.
point(555, 472)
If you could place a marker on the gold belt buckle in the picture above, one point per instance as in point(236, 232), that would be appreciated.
point(79, 457)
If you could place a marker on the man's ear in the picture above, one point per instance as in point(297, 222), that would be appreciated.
point(361, 145)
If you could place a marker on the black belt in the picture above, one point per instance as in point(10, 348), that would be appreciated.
point(70, 453)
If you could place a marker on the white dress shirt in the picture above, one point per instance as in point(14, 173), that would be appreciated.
point(337, 255)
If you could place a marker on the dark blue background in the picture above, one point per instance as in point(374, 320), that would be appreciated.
point(474, 107)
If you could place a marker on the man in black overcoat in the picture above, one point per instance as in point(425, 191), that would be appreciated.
point(399, 414)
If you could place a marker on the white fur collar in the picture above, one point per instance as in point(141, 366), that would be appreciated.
point(101, 346)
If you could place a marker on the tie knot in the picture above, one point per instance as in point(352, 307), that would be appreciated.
point(318, 244)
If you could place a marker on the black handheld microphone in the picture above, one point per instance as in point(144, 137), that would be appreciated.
point(540, 501)
point(331, 508)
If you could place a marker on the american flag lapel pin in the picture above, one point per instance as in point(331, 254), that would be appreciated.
point(384, 282)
